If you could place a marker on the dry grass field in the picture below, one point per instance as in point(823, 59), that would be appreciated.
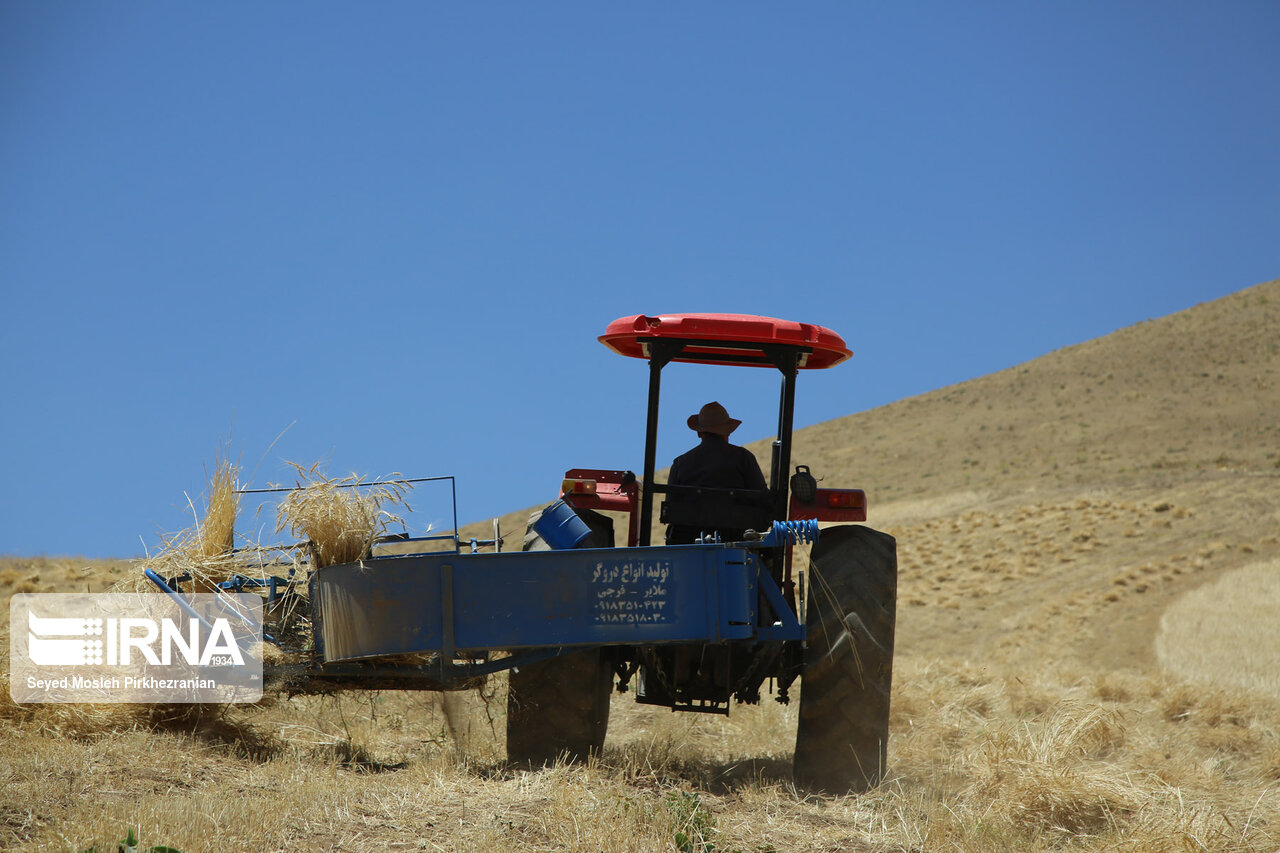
point(1089, 549)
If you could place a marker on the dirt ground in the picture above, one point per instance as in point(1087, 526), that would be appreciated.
point(1089, 549)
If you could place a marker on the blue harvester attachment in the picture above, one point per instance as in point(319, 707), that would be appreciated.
point(455, 602)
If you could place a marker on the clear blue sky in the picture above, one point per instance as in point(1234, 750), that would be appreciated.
point(400, 227)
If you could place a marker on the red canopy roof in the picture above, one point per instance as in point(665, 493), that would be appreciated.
point(626, 335)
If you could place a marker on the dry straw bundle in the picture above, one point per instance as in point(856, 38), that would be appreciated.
point(337, 521)
point(341, 522)
point(215, 536)
point(205, 551)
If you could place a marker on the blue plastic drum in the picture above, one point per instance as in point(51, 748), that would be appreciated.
point(560, 527)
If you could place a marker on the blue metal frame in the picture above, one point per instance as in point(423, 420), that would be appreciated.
point(441, 672)
point(440, 603)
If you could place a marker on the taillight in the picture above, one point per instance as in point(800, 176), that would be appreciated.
point(578, 487)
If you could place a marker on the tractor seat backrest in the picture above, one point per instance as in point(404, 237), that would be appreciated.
point(717, 509)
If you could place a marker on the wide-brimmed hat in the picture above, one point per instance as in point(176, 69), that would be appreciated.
point(713, 418)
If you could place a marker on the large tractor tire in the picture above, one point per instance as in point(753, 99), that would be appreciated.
point(558, 709)
point(841, 742)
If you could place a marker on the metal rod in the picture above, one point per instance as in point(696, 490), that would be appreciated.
point(453, 498)
point(345, 485)
point(176, 596)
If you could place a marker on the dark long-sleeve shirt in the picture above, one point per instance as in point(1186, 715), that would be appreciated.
point(718, 464)
point(715, 463)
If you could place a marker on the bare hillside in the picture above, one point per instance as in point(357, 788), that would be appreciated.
point(1193, 394)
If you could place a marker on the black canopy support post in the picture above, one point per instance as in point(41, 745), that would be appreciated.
point(775, 454)
point(786, 415)
point(660, 353)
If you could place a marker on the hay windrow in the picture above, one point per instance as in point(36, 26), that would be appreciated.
point(225, 725)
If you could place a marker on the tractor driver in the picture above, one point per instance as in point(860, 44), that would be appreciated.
point(714, 463)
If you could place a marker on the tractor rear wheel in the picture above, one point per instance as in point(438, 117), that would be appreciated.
point(848, 662)
point(559, 708)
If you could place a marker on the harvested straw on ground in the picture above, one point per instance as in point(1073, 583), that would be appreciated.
point(339, 521)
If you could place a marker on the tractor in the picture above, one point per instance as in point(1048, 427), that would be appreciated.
point(577, 613)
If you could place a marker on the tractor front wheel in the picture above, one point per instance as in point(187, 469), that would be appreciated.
point(848, 662)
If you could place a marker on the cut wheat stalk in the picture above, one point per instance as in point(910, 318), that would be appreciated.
point(339, 522)
point(205, 551)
